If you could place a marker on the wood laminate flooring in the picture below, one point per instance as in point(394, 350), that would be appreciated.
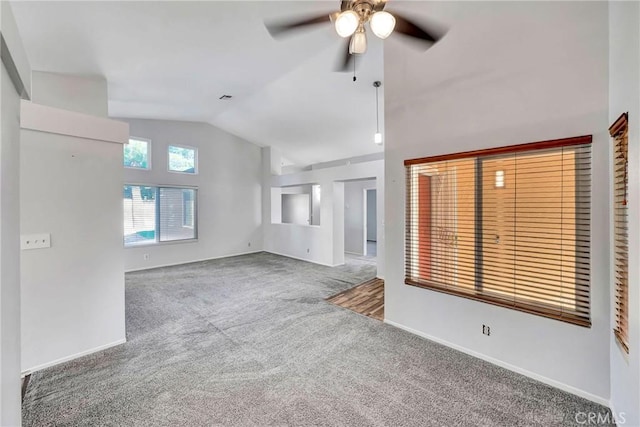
point(366, 298)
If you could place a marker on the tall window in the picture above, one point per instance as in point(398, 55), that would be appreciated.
point(619, 133)
point(507, 226)
point(183, 159)
point(159, 214)
point(137, 154)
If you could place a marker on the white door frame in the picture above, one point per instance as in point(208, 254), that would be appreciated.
point(364, 222)
point(366, 216)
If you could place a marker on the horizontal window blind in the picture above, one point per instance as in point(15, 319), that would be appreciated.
point(140, 215)
point(159, 214)
point(509, 226)
point(619, 133)
point(177, 208)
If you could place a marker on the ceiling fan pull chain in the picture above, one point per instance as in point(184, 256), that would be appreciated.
point(354, 68)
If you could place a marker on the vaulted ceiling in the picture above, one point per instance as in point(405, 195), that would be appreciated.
point(174, 59)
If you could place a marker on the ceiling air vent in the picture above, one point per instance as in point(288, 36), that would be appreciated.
point(224, 97)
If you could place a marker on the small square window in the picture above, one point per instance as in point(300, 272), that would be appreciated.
point(183, 159)
point(137, 154)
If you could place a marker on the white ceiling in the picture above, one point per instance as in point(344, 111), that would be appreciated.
point(173, 60)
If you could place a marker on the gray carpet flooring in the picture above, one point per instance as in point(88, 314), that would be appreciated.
point(250, 341)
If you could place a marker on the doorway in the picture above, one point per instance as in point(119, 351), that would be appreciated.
point(370, 218)
point(359, 221)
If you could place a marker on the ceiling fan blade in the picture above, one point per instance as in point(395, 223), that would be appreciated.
point(345, 60)
point(408, 28)
point(345, 4)
point(277, 29)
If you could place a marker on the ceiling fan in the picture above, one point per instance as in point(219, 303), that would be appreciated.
point(350, 24)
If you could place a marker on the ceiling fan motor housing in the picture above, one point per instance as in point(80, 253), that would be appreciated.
point(364, 8)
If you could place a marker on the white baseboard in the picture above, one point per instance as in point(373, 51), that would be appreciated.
point(71, 357)
point(151, 267)
point(173, 264)
point(302, 259)
point(543, 379)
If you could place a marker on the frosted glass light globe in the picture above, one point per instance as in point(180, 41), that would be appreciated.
point(382, 24)
point(347, 23)
point(358, 43)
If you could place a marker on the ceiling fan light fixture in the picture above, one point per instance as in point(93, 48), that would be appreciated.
point(358, 44)
point(382, 24)
point(347, 23)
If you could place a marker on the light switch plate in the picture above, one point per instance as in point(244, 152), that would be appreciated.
point(35, 241)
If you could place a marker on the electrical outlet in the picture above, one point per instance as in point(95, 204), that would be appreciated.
point(145, 257)
point(307, 250)
point(249, 244)
point(486, 330)
point(35, 241)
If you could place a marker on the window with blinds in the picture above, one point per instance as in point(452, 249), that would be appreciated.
point(159, 214)
point(508, 226)
point(619, 133)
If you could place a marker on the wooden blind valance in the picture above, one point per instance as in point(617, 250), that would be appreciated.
point(619, 134)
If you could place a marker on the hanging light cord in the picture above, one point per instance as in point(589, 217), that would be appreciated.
point(377, 110)
point(377, 84)
point(354, 68)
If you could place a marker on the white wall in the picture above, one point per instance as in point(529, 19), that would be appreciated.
point(15, 48)
point(296, 209)
point(354, 215)
point(336, 201)
point(70, 173)
point(539, 72)
point(315, 243)
point(316, 200)
point(371, 215)
point(73, 292)
point(299, 202)
point(83, 94)
point(229, 185)
point(9, 254)
point(624, 90)
point(10, 403)
point(323, 244)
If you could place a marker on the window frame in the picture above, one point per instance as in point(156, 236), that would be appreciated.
point(149, 151)
point(184, 209)
point(157, 241)
point(479, 294)
point(620, 219)
point(195, 159)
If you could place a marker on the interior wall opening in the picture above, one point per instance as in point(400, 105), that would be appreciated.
point(360, 215)
point(371, 228)
point(301, 204)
